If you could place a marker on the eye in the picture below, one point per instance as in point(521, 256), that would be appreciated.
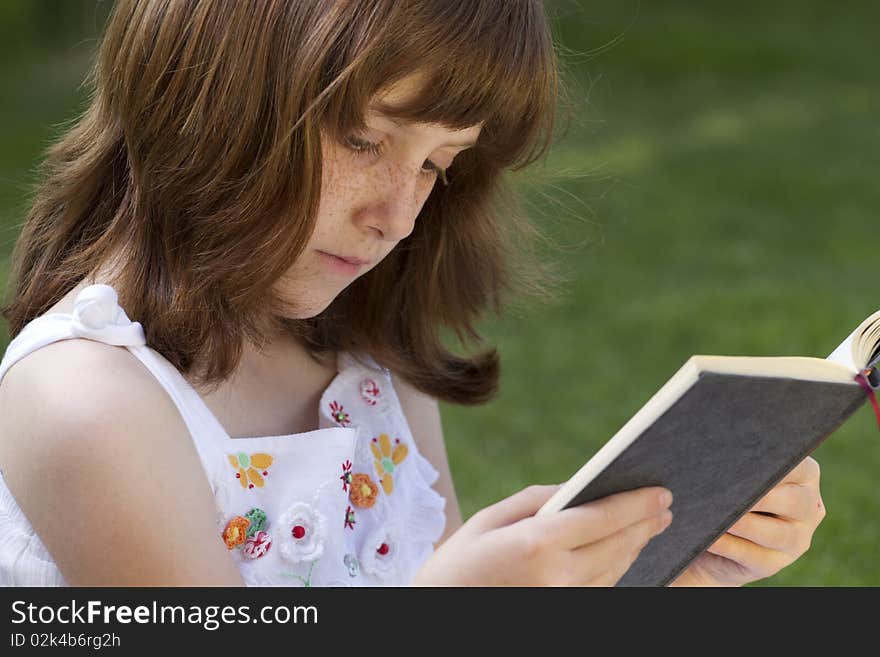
point(363, 146)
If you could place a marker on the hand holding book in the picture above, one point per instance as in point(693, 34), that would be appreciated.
point(726, 434)
point(772, 535)
point(505, 544)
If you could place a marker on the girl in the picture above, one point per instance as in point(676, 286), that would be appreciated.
point(274, 207)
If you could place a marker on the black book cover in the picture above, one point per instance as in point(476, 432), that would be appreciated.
point(720, 448)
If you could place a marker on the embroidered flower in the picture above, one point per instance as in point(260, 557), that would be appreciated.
point(302, 531)
point(363, 491)
point(386, 459)
point(370, 392)
point(257, 545)
point(257, 518)
point(236, 532)
point(351, 563)
point(339, 415)
point(349, 518)
point(379, 554)
point(249, 468)
point(346, 475)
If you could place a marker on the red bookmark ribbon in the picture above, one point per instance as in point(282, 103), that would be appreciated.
point(862, 378)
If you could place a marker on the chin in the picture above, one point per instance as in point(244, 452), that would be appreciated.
point(311, 308)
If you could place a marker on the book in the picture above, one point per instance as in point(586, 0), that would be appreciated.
point(720, 434)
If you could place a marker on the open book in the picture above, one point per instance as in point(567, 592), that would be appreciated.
point(720, 434)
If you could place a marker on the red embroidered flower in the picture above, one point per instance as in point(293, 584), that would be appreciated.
point(379, 554)
point(339, 415)
point(257, 545)
point(349, 518)
point(346, 475)
point(370, 391)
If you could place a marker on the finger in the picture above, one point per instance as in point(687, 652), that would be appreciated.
point(770, 532)
point(793, 501)
point(756, 558)
point(522, 504)
point(604, 562)
point(806, 472)
point(587, 523)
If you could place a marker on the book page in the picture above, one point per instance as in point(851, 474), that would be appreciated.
point(843, 354)
point(860, 348)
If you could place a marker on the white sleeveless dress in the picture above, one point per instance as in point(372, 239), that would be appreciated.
point(348, 504)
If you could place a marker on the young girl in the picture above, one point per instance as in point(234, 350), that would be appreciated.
point(272, 208)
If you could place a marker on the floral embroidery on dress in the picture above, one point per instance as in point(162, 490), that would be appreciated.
point(351, 563)
point(346, 475)
point(248, 530)
point(349, 518)
point(379, 552)
point(339, 415)
point(387, 459)
point(257, 545)
point(248, 468)
point(364, 491)
point(302, 532)
point(257, 518)
point(370, 392)
point(235, 532)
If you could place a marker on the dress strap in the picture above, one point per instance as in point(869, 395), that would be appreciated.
point(98, 315)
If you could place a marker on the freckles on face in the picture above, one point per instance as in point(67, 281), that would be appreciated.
point(312, 283)
point(368, 204)
point(370, 200)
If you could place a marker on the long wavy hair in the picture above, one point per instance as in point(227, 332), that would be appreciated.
point(199, 158)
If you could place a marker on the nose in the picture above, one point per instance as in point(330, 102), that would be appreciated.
point(395, 203)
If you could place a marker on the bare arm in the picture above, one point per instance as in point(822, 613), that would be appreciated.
point(104, 468)
point(423, 416)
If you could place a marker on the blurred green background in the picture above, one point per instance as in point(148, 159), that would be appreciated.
point(714, 195)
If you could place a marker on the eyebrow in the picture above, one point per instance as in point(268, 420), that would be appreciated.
point(402, 123)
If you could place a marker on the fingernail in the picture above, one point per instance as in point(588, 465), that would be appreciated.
point(665, 519)
point(666, 498)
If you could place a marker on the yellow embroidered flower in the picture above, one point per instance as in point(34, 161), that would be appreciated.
point(386, 459)
point(248, 468)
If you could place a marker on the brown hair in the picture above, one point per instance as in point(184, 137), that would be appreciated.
point(199, 158)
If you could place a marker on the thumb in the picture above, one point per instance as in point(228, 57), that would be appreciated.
point(518, 506)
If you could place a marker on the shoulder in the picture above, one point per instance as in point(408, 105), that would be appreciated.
point(76, 375)
point(79, 383)
point(92, 447)
point(74, 403)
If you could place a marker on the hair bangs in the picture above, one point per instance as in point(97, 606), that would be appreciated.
point(470, 71)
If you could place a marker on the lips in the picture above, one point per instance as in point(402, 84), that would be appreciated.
point(350, 259)
point(353, 260)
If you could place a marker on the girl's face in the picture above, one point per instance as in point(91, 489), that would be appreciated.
point(373, 188)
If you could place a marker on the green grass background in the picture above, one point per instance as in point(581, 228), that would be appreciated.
point(716, 193)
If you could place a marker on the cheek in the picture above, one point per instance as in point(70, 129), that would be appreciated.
point(341, 185)
point(347, 187)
